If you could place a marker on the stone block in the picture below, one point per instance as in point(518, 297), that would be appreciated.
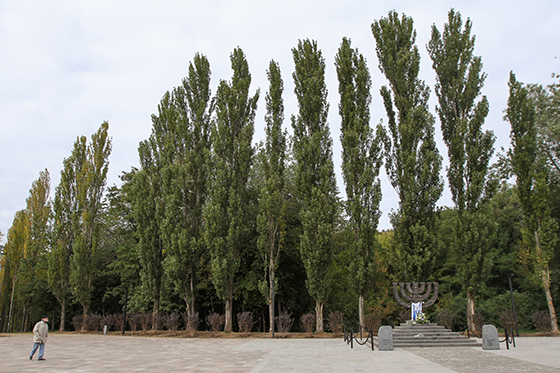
point(490, 339)
point(385, 338)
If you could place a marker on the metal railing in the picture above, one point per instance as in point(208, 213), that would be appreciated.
point(509, 337)
point(350, 336)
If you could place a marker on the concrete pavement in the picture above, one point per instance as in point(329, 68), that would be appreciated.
point(98, 353)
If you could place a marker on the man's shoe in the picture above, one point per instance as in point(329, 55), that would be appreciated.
point(42, 359)
point(30, 357)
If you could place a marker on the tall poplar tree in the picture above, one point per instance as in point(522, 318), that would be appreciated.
point(413, 162)
point(532, 185)
point(66, 213)
point(361, 161)
point(462, 112)
point(90, 187)
point(272, 202)
point(148, 203)
point(226, 213)
point(13, 254)
point(25, 254)
point(185, 177)
point(34, 264)
point(315, 179)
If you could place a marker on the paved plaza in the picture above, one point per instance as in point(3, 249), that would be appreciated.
point(98, 353)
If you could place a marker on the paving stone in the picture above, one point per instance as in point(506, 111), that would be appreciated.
point(97, 353)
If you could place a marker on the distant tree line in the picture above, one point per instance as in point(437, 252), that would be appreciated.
point(212, 226)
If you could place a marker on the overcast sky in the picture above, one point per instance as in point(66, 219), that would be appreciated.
point(67, 66)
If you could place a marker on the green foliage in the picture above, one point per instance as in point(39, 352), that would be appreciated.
point(203, 224)
point(459, 82)
point(458, 87)
point(226, 213)
point(532, 184)
point(361, 159)
point(315, 179)
point(531, 171)
point(272, 199)
point(147, 205)
point(474, 238)
point(412, 159)
point(525, 305)
point(23, 260)
point(508, 217)
point(186, 145)
point(547, 120)
point(77, 219)
point(90, 186)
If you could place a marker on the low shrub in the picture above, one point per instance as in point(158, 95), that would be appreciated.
point(134, 321)
point(507, 321)
point(145, 321)
point(191, 322)
point(245, 322)
point(77, 322)
point(118, 321)
point(308, 321)
point(479, 320)
point(372, 323)
point(284, 321)
point(336, 321)
point(541, 319)
point(215, 322)
point(446, 318)
point(92, 322)
point(108, 320)
point(171, 321)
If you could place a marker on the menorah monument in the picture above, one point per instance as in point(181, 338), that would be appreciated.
point(415, 293)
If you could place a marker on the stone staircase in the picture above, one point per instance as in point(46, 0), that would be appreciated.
point(429, 335)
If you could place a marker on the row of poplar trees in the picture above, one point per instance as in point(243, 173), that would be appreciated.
point(52, 244)
point(193, 186)
point(194, 193)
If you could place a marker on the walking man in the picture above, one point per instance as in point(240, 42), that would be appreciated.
point(40, 334)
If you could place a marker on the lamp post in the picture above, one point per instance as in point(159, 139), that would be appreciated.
point(513, 305)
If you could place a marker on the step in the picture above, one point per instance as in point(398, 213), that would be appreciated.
point(417, 326)
point(429, 335)
point(424, 339)
point(433, 343)
point(419, 331)
point(424, 336)
point(440, 345)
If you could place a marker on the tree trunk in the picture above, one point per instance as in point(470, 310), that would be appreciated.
point(229, 317)
point(470, 313)
point(157, 296)
point(155, 316)
point(84, 317)
point(24, 320)
point(361, 310)
point(551, 310)
point(62, 314)
point(271, 295)
point(545, 275)
point(191, 300)
point(319, 312)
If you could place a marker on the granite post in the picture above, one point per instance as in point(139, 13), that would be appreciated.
point(490, 339)
point(385, 338)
